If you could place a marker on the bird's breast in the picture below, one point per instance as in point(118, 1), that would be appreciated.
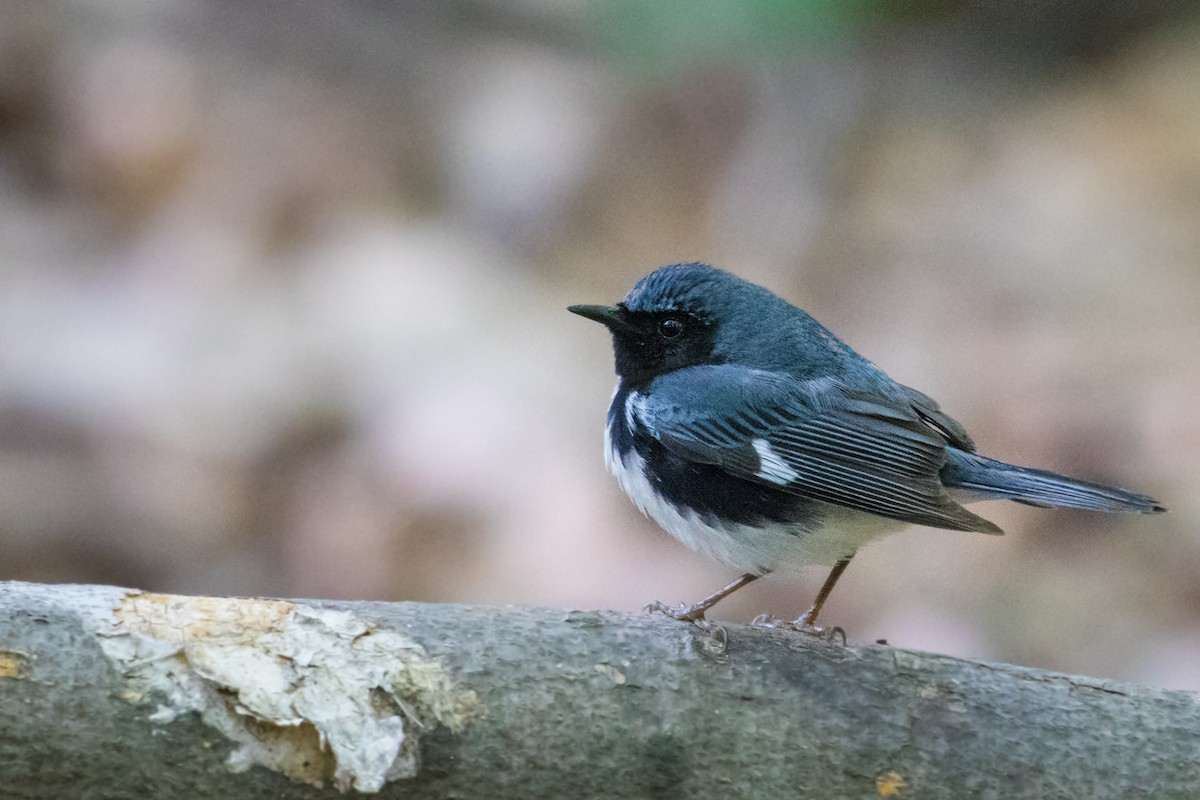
point(751, 526)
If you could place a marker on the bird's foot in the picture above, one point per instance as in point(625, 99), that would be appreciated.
point(802, 625)
point(716, 635)
point(682, 612)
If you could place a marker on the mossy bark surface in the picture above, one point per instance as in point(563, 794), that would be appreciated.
point(582, 704)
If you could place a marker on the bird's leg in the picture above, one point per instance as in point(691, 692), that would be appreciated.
point(809, 618)
point(695, 612)
point(807, 622)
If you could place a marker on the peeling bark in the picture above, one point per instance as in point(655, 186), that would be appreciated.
point(107, 692)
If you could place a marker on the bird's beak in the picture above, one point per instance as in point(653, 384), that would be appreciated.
point(609, 317)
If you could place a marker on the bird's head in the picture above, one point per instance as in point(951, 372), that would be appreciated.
point(681, 316)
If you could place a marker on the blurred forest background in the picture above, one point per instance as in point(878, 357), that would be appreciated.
point(282, 291)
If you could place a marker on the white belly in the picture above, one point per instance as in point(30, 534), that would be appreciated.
point(835, 534)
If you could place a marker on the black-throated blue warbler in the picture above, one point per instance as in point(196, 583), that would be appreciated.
point(751, 433)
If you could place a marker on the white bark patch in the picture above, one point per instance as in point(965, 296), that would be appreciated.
point(316, 694)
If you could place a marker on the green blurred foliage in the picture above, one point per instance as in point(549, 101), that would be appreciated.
point(680, 34)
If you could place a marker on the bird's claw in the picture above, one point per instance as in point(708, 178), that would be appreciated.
point(801, 625)
point(682, 612)
point(716, 636)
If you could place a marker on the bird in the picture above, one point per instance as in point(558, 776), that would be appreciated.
point(753, 434)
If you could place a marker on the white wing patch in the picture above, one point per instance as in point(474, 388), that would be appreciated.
point(771, 467)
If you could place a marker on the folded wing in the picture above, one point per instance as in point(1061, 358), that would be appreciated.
point(817, 439)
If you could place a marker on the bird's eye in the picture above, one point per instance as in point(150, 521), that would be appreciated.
point(670, 328)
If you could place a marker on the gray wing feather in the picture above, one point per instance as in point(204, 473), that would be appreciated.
point(862, 451)
point(931, 413)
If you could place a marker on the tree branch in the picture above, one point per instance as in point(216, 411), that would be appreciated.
point(108, 692)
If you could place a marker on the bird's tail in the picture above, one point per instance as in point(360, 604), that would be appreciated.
point(984, 478)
